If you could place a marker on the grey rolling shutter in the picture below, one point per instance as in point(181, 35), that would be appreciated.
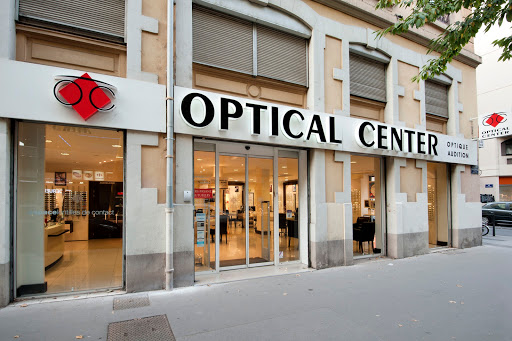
point(436, 99)
point(367, 78)
point(103, 16)
point(221, 41)
point(281, 56)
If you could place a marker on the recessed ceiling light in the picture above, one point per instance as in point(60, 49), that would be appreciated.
point(119, 157)
point(104, 161)
point(111, 160)
point(22, 144)
point(353, 162)
point(81, 182)
point(65, 154)
point(199, 159)
point(100, 162)
point(116, 146)
point(70, 182)
point(284, 167)
point(285, 173)
point(48, 141)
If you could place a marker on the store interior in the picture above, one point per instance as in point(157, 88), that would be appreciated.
point(437, 186)
point(366, 205)
point(69, 208)
point(244, 241)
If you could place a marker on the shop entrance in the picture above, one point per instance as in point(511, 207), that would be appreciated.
point(438, 222)
point(253, 221)
point(367, 205)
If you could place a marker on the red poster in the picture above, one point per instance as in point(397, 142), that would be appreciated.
point(203, 193)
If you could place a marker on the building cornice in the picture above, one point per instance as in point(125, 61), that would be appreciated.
point(385, 18)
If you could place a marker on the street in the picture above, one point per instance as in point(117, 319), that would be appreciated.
point(447, 295)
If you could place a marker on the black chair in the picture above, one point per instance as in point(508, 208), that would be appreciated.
point(223, 225)
point(293, 229)
point(283, 225)
point(364, 232)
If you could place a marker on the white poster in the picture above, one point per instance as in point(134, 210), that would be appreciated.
point(99, 176)
point(496, 124)
point(88, 175)
point(76, 174)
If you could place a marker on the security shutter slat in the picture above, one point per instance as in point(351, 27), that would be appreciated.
point(367, 78)
point(281, 56)
point(221, 41)
point(93, 15)
point(436, 99)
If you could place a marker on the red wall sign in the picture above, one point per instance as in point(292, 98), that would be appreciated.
point(203, 193)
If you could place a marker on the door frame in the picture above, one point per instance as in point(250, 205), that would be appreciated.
point(248, 150)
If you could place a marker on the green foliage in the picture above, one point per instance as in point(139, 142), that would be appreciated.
point(449, 44)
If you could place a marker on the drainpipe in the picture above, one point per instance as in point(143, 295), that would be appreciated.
point(169, 207)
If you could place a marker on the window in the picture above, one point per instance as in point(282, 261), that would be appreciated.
point(230, 43)
point(436, 99)
point(506, 148)
point(367, 78)
point(102, 19)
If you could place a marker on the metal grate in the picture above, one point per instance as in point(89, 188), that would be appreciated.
point(130, 302)
point(153, 328)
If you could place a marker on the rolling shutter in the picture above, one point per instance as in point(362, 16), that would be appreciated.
point(367, 78)
point(222, 41)
point(436, 99)
point(103, 16)
point(281, 56)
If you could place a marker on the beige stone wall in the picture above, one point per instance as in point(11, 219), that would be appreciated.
point(470, 185)
point(409, 108)
point(410, 180)
point(333, 87)
point(154, 46)
point(333, 176)
point(48, 47)
point(153, 167)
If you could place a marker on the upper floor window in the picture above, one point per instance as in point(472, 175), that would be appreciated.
point(230, 43)
point(436, 99)
point(367, 78)
point(98, 19)
point(506, 148)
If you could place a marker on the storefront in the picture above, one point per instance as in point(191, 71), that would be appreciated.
point(73, 138)
point(257, 206)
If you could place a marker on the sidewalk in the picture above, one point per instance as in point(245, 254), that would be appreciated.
point(448, 295)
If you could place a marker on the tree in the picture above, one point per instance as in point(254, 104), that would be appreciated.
point(485, 13)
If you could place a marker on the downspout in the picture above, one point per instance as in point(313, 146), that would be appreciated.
point(169, 207)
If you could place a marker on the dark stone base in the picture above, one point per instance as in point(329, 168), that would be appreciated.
point(29, 289)
point(407, 245)
point(5, 280)
point(184, 271)
point(465, 238)
point(328, 254)
point(145, 272)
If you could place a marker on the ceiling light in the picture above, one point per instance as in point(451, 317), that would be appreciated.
point(104, 161)
point(116, 146)
point(65, 154)
point(48, 141)
point(284, 167)
point(81, 182)
point(353, 162)
point(100, 162)
point(49, 182)
point(199, 159)
point(22, 144)
point(236, 170)
point(70, 182)
point(285, 173)
point(111, 160)
point(119, 157)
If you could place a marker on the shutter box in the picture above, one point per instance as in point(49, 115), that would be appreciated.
point(106, 17)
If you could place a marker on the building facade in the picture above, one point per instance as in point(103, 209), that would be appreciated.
point(493, 84)
point(298, 139)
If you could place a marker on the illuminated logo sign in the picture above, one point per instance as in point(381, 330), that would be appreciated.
point(494, 125)
point(85, 95)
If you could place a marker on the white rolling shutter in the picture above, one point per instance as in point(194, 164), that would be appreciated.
point(102, 16)
point(281, 56)
point(436, 99)
point(222, 41)
point(367, 78)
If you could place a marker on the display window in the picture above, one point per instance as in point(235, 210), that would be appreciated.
point(69, 209)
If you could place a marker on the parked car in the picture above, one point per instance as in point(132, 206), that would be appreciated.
point(501, 211)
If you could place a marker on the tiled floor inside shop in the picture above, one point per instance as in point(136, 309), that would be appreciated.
point(87, 265)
